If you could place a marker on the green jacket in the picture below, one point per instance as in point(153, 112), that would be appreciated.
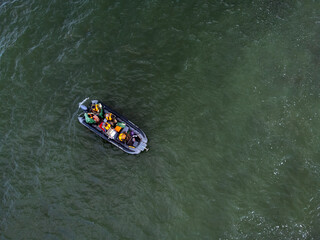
point(90, 120)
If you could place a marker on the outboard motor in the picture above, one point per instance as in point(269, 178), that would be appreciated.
point(84, 108)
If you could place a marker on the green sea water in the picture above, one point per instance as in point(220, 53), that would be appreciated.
point(227, 93)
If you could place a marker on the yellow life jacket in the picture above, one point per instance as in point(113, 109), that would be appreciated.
point(107, 126)
point(122, 136)
point(109, 117)
point(96, 107)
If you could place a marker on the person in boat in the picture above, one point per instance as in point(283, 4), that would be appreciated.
point(105, 126)
point(97, 109)
point(91, 118)
point(111, 119)
point(123, 137)
point(95, 115)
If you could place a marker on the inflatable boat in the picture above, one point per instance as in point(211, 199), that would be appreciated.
point(113, 127)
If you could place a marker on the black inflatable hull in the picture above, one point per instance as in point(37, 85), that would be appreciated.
point(128, 149)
